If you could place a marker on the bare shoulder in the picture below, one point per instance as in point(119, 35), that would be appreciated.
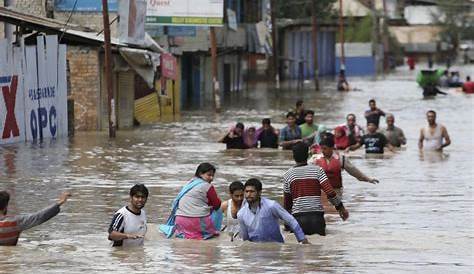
point(224, 205)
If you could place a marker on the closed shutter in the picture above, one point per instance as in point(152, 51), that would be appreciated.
point(125, 99)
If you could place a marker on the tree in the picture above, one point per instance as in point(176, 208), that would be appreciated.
point(302, 9)
point(456, 21)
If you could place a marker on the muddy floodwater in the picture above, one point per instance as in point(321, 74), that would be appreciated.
point(419, 218)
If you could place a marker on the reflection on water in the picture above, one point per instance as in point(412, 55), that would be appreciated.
point(419, 218)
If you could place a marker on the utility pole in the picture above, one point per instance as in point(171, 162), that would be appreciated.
point(315, 46)
point(215, 81)
point(8, 28)
point(342, 58)
point(375, 38)
point(108, 69)
point(385, 37)
point(275, 70)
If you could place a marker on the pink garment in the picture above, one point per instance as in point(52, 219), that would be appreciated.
point(341, 142)
point(250, 141)
point(197, 228)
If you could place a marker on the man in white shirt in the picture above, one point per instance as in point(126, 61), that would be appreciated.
point(128, 226)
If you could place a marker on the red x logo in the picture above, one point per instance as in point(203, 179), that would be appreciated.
point(9, 95)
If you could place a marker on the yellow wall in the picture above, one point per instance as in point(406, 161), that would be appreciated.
point(157, 106)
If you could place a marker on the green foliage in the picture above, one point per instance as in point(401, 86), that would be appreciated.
point(457, 23)
point(295, 9)
point(358, 30)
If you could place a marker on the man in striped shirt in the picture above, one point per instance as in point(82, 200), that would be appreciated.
point(12, 225)
point(302, 185)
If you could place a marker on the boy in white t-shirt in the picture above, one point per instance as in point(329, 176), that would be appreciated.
point(128, 226)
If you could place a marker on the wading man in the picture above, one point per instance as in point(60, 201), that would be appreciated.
point(259, 217)
point(12, 225)
point(332, 163)
point(302, 185)
point(431, 136)
point(128, 226)
point(394, 134)
point(373, 114)
point(291, 134)
point(373, 141)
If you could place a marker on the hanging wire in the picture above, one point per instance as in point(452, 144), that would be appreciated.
point(67, 22)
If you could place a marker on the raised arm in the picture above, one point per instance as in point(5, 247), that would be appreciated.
point(356, 173)
point(224, 138)
point(27, 221)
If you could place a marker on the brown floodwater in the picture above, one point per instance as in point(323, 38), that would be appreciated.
point(418, 219)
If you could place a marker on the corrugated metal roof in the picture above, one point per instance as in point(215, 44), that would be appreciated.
point(19, 18)
point(72, 32)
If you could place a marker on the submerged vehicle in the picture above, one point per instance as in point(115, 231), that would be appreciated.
point(428, 80)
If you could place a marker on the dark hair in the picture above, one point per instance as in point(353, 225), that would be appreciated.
point(300, 152)
point(368, 123)
point(139, 188)
point(309, 112)
point(4, 199)
point(255, 183)
point(372, 101)
point(235, 185)
point(432, 111)
point(327, 139)
point(290, 114)
point(299, 103)
point(203, 168)
point(266, 121)
point(239, 125)
point(350, 114)
point(468, 78)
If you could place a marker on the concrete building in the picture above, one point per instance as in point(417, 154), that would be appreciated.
point(85, 60)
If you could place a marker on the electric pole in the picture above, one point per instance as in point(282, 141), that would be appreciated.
point(275, 44)
point(315, 46)
point(108, 69)
point(215, 81)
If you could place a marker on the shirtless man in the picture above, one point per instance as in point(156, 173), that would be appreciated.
point(232, 206)
point(431, 136)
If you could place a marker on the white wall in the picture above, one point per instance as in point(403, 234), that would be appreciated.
point(421, 15)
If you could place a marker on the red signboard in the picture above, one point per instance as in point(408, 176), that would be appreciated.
point(168, 66)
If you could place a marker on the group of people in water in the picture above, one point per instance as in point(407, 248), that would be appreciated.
point(198, 212)
point(302, 128)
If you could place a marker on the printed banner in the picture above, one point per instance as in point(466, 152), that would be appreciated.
point(168, 66)
point(34, 89)
point(132, 21)
point(185, 12)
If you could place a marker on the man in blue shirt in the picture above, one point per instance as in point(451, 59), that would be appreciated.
point(259, 217)
point(291, 134)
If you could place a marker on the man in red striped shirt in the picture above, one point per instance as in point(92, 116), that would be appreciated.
point(12, 225)
point(302, 185)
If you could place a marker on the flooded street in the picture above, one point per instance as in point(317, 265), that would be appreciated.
point(420, 218)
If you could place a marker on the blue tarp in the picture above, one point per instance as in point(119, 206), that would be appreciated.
point(358, 66)
point(84, 5)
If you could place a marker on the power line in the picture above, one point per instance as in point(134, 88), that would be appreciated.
point(67, 22)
